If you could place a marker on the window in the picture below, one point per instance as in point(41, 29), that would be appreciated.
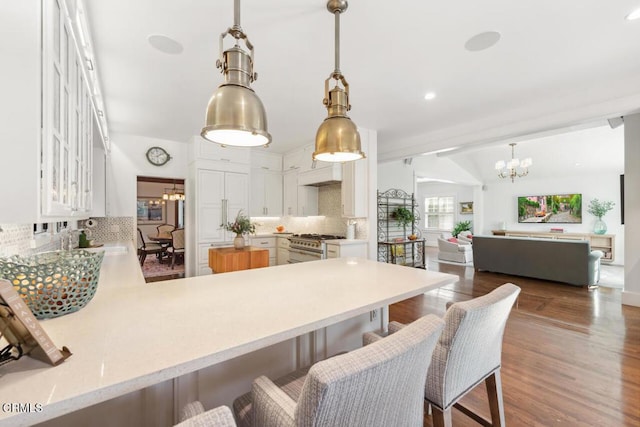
point(439, 212)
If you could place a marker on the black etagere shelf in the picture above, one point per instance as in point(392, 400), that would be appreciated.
point(397, 243)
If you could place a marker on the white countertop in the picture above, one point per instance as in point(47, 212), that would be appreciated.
point(133, 335)
point(346, 242)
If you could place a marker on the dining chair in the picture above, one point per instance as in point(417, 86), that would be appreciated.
point(377, 385)
point(145, 248)
point(194, 415)
point(177, 245)
point(468, 353)
point(165, 229)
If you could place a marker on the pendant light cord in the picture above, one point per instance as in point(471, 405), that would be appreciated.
point(337, 42)
point(236, 13)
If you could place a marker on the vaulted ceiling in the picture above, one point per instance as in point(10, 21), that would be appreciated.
point(556, 64)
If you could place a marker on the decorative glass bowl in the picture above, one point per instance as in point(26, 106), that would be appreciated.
point(55, 283)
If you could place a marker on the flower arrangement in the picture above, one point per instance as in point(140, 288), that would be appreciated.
point(241, 225)
point(598, 208)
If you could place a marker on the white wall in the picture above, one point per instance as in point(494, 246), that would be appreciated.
point(128, 161)
point(500, 203)
point(461, 193)
point(631, 293)
point(396, 175)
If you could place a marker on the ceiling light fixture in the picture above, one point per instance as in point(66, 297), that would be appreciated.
point(510, 169)
point(429, 96)
point(337, 139)
point(634, 15)
point(235, 114)
point(173, 194)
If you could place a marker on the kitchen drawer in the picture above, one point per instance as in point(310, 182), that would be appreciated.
point(263, 242)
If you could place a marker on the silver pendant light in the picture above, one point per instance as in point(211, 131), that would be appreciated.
point(235, 115)
point(337, 139)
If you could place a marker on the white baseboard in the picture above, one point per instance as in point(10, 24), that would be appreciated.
point(631, 298)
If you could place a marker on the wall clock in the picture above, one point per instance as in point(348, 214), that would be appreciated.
point(158, 156)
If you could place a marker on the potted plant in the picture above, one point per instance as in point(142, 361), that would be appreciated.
point(599, 209)
point(460, 227)
point(241, 225)
point(404, 217)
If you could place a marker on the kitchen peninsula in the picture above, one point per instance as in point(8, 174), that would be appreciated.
point(146, 349)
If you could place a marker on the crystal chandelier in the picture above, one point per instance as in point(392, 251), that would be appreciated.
point(510, 169)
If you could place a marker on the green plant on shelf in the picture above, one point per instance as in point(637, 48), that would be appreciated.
point(404, 216)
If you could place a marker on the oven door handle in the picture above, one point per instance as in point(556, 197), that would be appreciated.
point(304, 253)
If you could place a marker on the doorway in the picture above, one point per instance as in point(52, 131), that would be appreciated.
point(160, 208)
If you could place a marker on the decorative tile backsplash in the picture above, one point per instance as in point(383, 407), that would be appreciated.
point(329, 221)
point(110, 229)
point(18, 239)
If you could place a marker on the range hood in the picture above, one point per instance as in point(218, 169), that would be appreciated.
point(319, 177)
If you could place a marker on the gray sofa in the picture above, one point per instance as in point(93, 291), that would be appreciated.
point(566, 261)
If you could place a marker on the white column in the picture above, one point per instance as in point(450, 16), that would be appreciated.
point(631, 293)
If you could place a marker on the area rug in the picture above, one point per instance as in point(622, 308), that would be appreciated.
point(152, 268)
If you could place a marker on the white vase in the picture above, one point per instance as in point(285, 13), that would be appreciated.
point(238, 242)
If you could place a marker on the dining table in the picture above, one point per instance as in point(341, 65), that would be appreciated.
point(162, 238)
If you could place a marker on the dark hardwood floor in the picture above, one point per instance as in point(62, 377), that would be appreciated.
point(570, 357)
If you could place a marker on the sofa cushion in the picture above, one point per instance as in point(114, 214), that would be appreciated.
point(452, 240)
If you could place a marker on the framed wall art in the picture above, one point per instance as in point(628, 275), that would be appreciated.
point(466, 207)
point(151, 210)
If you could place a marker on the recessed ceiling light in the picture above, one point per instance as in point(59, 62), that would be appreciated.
point(482, 41)
point(634, 15)
point(165, 44)
point(429, 95)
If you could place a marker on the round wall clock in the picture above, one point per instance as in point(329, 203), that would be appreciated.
point(158, 156)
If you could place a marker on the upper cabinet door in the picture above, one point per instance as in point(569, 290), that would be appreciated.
point(68, 115)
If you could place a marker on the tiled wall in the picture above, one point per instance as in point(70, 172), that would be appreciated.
point(17, 239)
point(110, 229)
point(329, 220)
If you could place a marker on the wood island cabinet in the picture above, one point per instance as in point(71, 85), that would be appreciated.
point(224, 260)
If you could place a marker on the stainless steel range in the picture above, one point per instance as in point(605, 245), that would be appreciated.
point(309, 247)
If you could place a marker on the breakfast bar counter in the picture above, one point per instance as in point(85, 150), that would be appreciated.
point(133, 335)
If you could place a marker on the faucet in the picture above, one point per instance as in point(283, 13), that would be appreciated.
point(67, 240)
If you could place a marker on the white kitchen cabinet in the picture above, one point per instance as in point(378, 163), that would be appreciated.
point(282, 249)
point(353, 248)
point(292, 160)
point(355, 183)
point(207, 150)
point(266, 192)
point(50, 134)
point(298, 200)
point(307, 200)
point(290, 192)
point(265, 242)
point(219, 196)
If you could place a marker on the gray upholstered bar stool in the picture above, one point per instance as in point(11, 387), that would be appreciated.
point(194, 415)
point(468, 353)
point(379, 385)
